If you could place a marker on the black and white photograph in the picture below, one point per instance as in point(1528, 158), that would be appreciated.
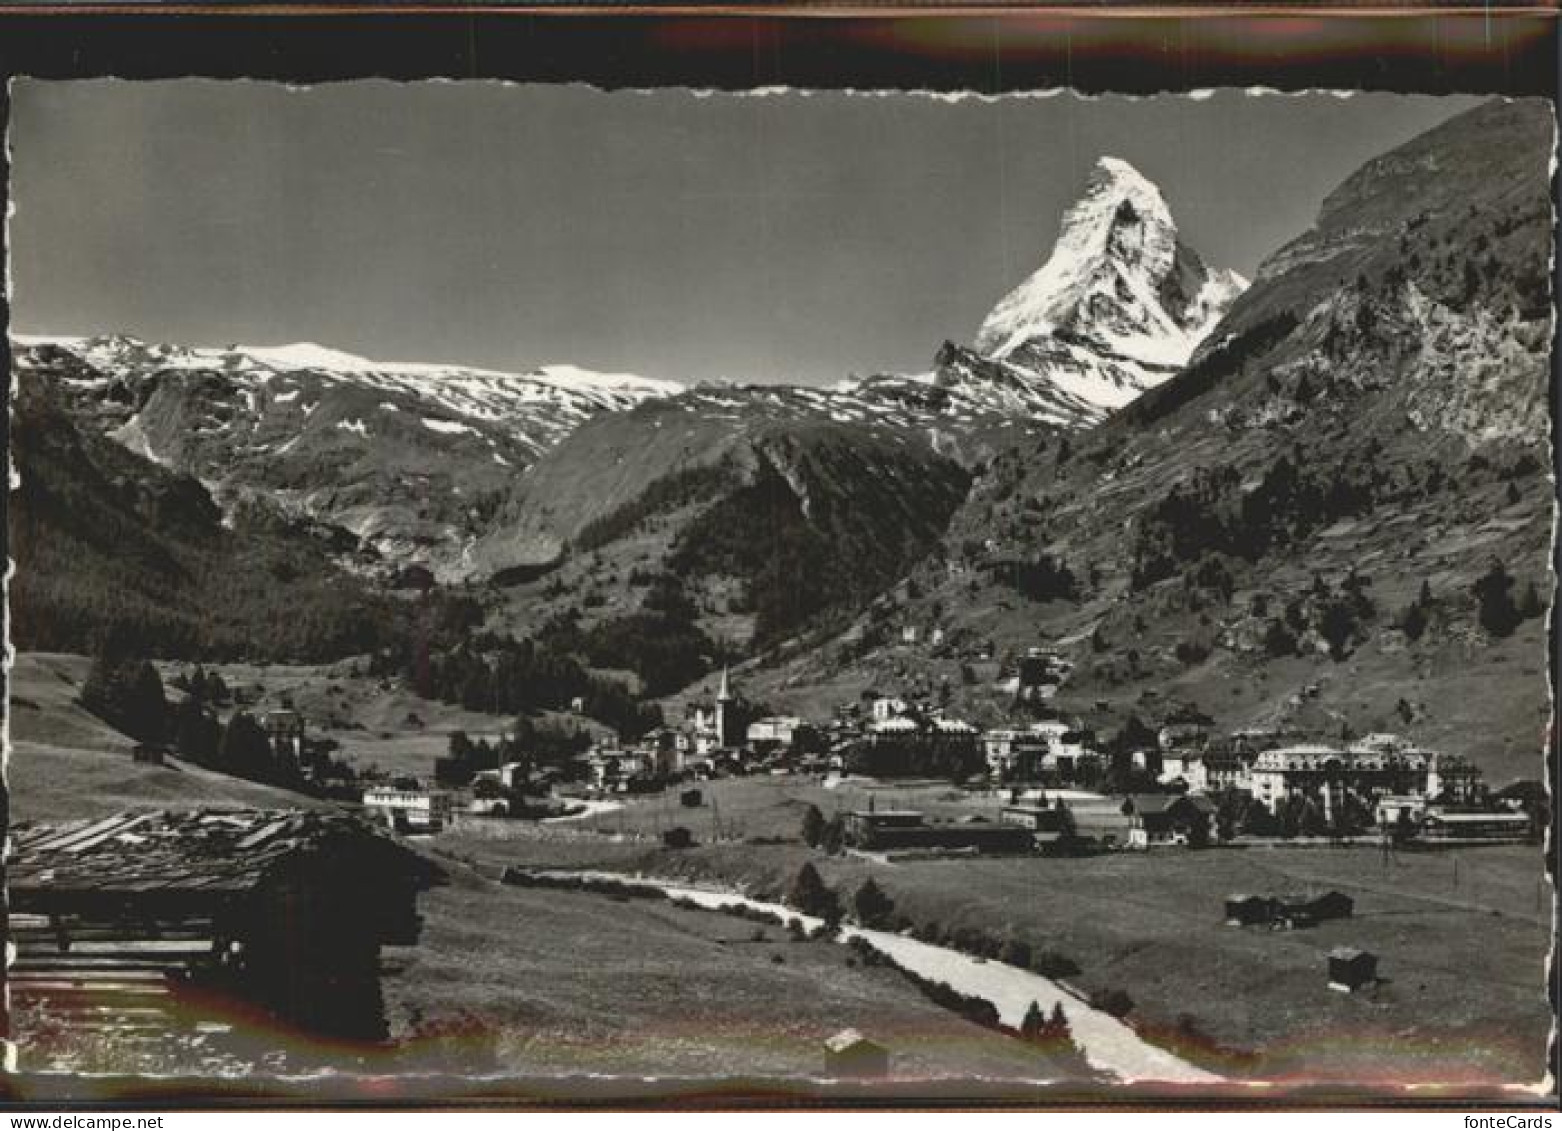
point(855, 593)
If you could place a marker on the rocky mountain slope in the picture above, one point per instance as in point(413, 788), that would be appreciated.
point(774, 509)
point(411, 459)
point(1338, 515)
point(104, 539)
point(1120, 274)
point(1117, 307)
point(869, 465)
point(422, 464)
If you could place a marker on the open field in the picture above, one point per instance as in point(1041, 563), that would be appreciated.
point(549, 982)
point(1462, 937)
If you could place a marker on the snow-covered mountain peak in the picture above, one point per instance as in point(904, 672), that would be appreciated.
point(1119, 285)
point(1112, 182)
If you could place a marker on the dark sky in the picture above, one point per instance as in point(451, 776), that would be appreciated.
point(759, 238)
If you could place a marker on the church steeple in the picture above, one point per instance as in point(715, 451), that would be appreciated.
point(724, 719)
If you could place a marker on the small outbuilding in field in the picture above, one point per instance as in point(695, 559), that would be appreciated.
point(1351, 969)
point(1248, 910)
point(849, 1053)
point(1329, 905)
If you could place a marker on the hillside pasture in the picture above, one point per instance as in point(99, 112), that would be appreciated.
point(65, 763)
point(1462, 936)
point(641, 987)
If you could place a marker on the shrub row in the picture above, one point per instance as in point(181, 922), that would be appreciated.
point(596, 885)
point(984, 944)
point(977, 1010)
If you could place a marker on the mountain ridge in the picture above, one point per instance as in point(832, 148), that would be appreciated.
point(1119, 304)
point(1317, 521)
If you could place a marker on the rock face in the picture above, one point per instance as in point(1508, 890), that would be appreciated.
point(411, 459)
point(107, 542)
point(1305, 518)
point(1119, 305)
point(779, 507)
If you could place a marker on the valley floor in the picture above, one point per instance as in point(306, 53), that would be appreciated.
point(511, 980)
point(1462, 937)
point(530, 981)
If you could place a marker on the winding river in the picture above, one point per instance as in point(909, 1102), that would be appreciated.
point(1108, 1045)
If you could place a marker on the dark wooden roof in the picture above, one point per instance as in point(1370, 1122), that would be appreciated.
point(188, 858)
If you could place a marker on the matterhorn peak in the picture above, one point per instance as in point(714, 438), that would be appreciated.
point(1116, 178)
point(1119, 284)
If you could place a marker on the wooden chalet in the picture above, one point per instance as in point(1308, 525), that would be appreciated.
point(282, 912)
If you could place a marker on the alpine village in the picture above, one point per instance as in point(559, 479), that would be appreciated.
point(1153, 692)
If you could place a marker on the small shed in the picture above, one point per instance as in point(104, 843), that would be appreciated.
point(1331, 905)
point(1311, 909)
point(849, 1053)
point(1248, 910)
point(691, 799)
point(1350, 969)
point(148, 753)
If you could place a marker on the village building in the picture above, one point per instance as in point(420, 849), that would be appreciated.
point(713, 725)
point(610, 768)
point(1213, 768)
point(1394, 810)
point(1375, 767)
point(408, 810)
point(1143, 820)
point(512, 777)
point(888, 707)
point(1034, 677)
point(1447, 828)
point(1048, 826)
point(1050, 750)
point(1184, 735)
point(780, 732)
point(896, 726)
point(889, 829)
point(1015, 755)
point(669, 750)
point(907, 745)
